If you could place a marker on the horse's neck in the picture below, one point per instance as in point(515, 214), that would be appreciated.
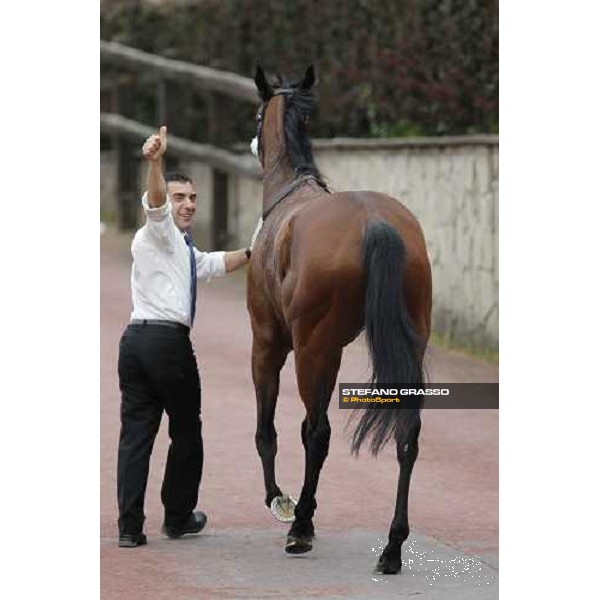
point(278, 171)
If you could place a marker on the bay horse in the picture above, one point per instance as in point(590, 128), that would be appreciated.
point(324, 267)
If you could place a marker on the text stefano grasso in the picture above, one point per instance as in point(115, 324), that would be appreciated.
point(416, 391)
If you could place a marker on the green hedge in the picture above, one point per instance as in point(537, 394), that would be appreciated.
point(386, 68)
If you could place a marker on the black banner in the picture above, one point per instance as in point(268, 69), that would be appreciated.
point(429, 395)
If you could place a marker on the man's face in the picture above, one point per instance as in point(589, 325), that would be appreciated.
point(183, 199)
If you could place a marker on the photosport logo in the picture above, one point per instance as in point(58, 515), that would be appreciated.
point(429, 395)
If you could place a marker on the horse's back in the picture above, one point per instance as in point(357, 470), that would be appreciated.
point(323, 248)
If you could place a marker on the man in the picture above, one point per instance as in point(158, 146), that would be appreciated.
point(157, 365)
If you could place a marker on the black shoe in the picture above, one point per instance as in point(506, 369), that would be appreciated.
point(195, 524)
point(131, 540)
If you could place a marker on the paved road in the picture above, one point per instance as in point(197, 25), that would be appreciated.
point(453, 548)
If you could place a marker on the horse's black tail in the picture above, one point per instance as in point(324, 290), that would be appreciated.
point(395, 347)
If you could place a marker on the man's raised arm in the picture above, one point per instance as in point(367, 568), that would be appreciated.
point(153, 149)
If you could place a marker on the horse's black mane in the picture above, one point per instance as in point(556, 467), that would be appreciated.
point(298, 106)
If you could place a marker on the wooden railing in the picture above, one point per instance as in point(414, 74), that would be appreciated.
point(128, 134)
point(215, 157)
point(206, 78)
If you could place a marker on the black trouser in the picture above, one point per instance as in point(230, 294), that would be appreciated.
point(158, 371)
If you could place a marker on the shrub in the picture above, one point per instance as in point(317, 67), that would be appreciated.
point(386, 68)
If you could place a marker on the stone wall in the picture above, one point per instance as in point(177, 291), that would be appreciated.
point(450, 184)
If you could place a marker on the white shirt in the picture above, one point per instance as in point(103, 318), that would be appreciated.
point(160, 275)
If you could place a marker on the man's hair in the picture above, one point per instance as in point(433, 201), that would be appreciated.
point(173, 176)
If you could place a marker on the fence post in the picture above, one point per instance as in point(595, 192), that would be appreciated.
point(127, 161)
point(220, 182)
point(169, 113)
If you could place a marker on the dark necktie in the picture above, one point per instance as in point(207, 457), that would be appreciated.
point(193, 281)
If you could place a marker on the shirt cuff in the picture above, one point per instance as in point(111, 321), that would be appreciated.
point(216, 265)
point(158, 213)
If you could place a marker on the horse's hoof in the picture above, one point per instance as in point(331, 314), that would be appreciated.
point(283, 507)
point(298, 544)
point(388, 565)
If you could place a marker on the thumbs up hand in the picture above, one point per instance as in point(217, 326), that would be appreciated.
point(154, 147)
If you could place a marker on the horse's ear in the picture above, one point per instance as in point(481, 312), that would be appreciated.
point(309, 78)
point(262, 85)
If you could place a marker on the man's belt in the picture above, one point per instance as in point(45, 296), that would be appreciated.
point(172, 324)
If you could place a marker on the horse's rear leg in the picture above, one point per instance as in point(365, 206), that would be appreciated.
point(316, 373)
point(267, 361)
point(407, 451)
